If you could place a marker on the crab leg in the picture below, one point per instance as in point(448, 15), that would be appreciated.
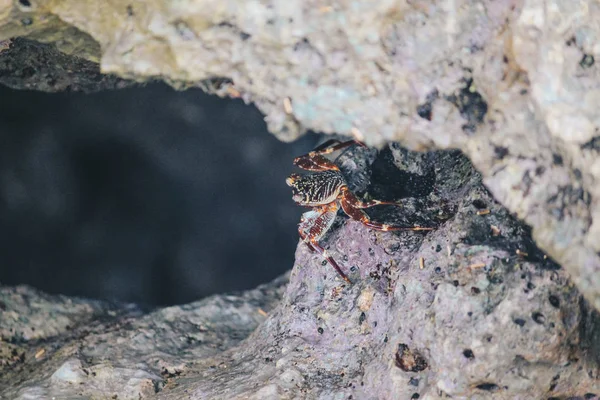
point(313, 226)
point(314, 246)
point(372, 203)
point(315, 160)
point(326, 144)
point(329, 147)
point(331, 261)
point(352, 207)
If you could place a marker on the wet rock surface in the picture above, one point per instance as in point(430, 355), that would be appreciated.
point(471, 310)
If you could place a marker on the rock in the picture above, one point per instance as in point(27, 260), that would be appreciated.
point(100, 350)
point(26, 64)
point(471, 310)
point(512, 83)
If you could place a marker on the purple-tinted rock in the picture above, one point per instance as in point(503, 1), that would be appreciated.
point(400, 324)
point(471, 310)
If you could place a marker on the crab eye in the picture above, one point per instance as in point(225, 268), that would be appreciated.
point(292, 179)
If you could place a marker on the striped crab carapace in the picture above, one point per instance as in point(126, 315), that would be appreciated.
point(326, 192)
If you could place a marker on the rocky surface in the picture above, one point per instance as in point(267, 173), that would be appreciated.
point(66, 348)
point(512, 83)
point(26, 64)
point(471, 310)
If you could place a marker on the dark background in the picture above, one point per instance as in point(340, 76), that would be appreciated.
point(143, 194)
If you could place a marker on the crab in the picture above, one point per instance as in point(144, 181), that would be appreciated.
point(326, 192)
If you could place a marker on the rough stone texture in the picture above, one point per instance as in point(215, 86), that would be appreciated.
point(512, 83)
point(56, 347)
point(488, 316)
point(26, 64)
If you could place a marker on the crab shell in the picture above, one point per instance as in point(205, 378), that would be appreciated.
point(316, 189)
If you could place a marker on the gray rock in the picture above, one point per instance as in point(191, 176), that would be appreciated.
point(484, 315)
point(26, 64)
point(512, 83)
point(88, 349)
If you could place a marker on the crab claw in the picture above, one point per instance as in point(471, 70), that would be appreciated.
point(291, 179)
